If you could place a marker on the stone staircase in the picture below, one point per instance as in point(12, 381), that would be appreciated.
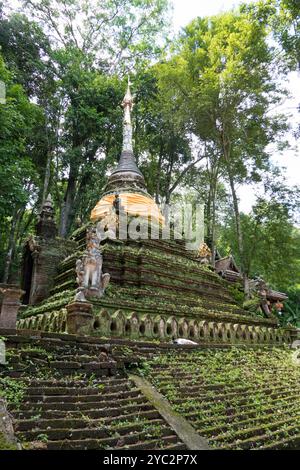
point(106, 413)
point(71, 392)
point(67, 392)
point(236, 399)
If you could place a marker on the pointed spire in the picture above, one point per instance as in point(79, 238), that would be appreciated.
point(47, 205)
point(127, 104)
point(46, 226)
point(127, 172)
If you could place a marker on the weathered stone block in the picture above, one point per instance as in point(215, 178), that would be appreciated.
point(79, 318)
point(117, 323)
point(159, 327)
point(171, 327)
point(183, 328)
point(102, 322)
point(146, 326)
point(10, 305)
point(134, 325)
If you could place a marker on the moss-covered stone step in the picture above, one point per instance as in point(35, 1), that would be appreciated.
point(233, 409)
point(191, 300)
point(97, 432)
point(134, 440)
point(183, 287)
point(95, 409)
point(107, 412)
point(127, 396)
point(91, 400)
point(267, 420)
point(87, 433)
point(185, 378)
point(291, 443)
point(159, 299)
point(219, 418)
point(237, 399)
point(197, 391)
point(95, 423)
point(87, 392)
point(243, 403)
point(59, 421)
point(71, 384)
point(262, 438)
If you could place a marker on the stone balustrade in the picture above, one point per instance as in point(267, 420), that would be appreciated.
point(136, 326)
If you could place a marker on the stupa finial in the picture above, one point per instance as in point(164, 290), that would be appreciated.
point(126, 175)
point(127, 104)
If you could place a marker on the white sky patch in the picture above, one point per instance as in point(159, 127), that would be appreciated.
point(186, 10)
point(288, 160)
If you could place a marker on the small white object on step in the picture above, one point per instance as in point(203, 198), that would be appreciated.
point(184, 342)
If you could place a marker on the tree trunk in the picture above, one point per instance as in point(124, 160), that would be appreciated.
point(226, 154)
point(67, 211)
point(208, 215)
point(11, 245)
point(158, 173)
point(213, 223)
point(239, 234)
point(213, 170)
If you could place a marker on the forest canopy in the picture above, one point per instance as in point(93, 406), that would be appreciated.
point(207, 120)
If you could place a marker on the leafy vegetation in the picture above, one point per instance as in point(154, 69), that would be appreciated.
point(206, 118)
point(237, 398)
point(12, 390)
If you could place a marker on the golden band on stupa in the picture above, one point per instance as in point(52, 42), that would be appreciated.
point(132, 203)
point(126, 181)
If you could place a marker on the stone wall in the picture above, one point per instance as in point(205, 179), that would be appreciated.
point(41, 259)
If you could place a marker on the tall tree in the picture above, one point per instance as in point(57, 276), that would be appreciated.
point(90, 130)
point(91, 44)
point(18, 174)
point(161, 138)
point(287, 29)
point(225, 77)
point(26, 50)
point(116, 33)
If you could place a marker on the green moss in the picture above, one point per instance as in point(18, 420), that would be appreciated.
point(237, 293)
point(236, 398)
point(53, 303)
point(13, 390)
point(253, 306)
point(5, 445)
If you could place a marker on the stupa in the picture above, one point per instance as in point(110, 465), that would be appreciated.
point(126, 180)
point(137, 287)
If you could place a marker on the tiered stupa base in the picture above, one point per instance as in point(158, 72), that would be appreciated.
point(158, 290)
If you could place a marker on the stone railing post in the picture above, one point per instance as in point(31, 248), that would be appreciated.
point(79, 318)
point(10, 305)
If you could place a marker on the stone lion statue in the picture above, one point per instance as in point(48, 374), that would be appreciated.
point(90, 279)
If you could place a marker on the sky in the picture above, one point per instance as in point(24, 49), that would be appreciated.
point(186, 10)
